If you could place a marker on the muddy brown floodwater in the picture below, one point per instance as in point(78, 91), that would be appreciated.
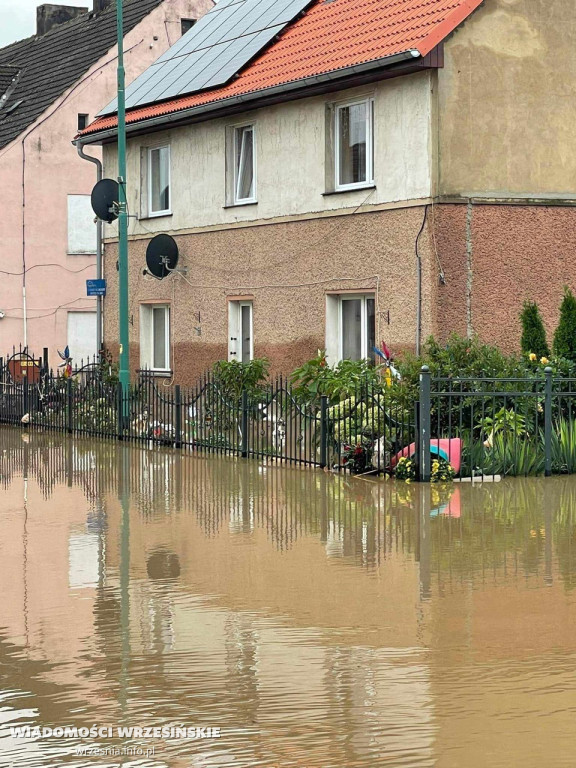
point(318, 621)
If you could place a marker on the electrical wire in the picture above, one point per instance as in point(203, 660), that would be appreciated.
point(53, 312)
point(50, 264)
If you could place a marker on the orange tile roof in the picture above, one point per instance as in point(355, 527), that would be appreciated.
point(330, 36)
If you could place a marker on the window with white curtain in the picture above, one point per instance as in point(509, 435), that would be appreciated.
point(159, 181)
point(244, 164)
point(350, 327)
point(155, 337)
point(354, 144)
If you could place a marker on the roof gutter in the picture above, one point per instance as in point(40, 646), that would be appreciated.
point(248, 98)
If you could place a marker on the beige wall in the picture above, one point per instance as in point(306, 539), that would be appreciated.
point(287, 268)
point(506, 106)
point(291, 141)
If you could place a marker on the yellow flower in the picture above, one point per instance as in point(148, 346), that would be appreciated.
point(532, 356)
point(544, 360)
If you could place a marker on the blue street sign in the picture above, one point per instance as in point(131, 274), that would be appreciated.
point(96, 287)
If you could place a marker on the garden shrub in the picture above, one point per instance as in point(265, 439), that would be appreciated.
point(316, 378)
point(565, 335)
point(233, 377)
point(533, 340)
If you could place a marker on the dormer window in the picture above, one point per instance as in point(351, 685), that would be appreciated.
point(187, 24)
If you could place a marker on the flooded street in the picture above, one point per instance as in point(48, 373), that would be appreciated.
point(318, 621)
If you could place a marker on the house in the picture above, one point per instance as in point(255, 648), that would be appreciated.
point(51, 85)
point(369, 170)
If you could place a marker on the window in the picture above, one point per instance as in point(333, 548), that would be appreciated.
point(244, 165)
point(186, 25)
point(159, 181)
point(81, 226)
point(155, 337)
point(350, 327)
point(241, 338)
point(82, 121)
point(354, 144)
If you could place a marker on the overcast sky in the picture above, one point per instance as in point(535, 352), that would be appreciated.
point(18, 17)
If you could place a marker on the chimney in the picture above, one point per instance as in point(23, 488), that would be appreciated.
point(48, 16)
point(100, 5)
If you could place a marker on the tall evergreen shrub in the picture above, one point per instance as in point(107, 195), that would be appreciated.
point(565, 335)
point(533, 332)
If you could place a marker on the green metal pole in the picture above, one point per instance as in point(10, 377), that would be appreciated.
point(122, 216)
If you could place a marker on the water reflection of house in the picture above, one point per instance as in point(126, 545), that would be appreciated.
point(301, 652)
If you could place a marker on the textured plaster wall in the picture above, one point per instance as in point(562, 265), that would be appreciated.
point(506, 101)
point(52, 170)
point(517, 253)
point(298, 262)
point(291, 162)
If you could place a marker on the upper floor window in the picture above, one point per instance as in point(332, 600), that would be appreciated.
point(354, 146)
point(158, 181)
point(82, 121)
point(244, 164)
point(186, 25)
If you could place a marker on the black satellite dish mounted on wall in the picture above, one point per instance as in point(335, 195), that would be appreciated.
point(161, 256)
point(104, 200)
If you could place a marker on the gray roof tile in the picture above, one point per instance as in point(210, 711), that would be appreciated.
point(50, 64)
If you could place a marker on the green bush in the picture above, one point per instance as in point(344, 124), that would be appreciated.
point(316, 378)
point(233, 377)
point(461, 357)
point(565, 335)
point(533, 339)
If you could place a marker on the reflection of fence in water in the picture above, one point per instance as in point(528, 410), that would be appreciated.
point(521, 527)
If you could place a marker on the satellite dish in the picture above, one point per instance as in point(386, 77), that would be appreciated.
point(104, 200)
point(161, 256)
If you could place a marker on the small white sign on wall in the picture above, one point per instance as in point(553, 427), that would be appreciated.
point(81, 225)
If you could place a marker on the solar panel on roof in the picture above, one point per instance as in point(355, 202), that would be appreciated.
point(217, 47)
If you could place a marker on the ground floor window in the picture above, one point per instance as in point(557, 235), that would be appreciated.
point(155, 337)
point(350, 327)
point(240, 331)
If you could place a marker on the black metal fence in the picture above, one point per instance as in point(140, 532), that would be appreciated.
point(493, 426)
point(269, 422)
point(478, 426)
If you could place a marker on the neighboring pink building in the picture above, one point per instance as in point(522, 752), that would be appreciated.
point(50, 85)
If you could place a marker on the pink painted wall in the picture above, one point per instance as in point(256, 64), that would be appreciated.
point(52, 171)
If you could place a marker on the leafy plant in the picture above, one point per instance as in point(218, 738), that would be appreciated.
point(533, 339)
point(516, 457)
point(316, 378)
point(354, 416)
point(233, 377)
point(504, 422)
point(565, 335)
point(107, 368)
point(564, 447)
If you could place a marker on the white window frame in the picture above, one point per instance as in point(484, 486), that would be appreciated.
point(369, 102)
point(235, 328)
point(236, 149)
point(166, 211)
point(147, 337)
point(334, 324)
